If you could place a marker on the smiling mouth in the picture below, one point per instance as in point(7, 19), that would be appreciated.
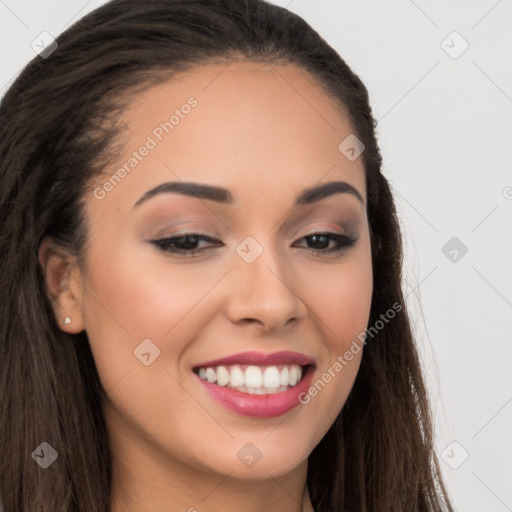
point(252, 379)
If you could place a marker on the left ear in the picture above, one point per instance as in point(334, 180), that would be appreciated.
point(63, 283)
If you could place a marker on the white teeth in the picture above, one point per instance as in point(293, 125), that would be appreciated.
point(271, 377)
point(222, 376)
point(211, 374)
point(254, 379)
point(284, 377)
point(236, 377)
point(262, 391)
point(294, 376)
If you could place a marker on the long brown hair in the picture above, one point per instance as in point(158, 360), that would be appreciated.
point(58, 129)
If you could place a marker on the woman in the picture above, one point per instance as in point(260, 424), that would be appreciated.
point(201, 268)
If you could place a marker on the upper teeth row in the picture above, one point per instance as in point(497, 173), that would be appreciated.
point(253, 376)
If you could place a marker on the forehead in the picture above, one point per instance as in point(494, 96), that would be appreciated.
point(243, 125)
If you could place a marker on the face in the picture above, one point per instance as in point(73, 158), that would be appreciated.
point(202, 311)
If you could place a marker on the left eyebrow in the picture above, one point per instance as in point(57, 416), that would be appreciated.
point(222, 195)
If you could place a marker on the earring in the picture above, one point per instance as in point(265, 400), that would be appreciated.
point(67, 320)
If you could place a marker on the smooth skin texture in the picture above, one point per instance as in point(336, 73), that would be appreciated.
point(266, 133)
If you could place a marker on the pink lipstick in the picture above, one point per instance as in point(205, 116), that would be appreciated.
point(257, 384)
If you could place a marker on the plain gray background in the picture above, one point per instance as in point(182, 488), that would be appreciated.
point(445, 133)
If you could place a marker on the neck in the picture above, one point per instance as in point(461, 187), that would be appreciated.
point(144, 487)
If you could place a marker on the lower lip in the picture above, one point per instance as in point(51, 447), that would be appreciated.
point(259, 406)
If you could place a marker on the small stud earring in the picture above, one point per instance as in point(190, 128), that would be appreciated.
point(67, 320)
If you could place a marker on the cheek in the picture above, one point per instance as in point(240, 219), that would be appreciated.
point(346, 309)
point(136, 299)
point(340, 296)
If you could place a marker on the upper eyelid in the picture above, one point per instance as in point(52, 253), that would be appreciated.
point(346, 227)
point(213, 240)
point(201, 234)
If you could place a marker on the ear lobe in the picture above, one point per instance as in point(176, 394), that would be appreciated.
point(62, 277)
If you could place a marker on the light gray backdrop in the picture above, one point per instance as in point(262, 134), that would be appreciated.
point(439, 75)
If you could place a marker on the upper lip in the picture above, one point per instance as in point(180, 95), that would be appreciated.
point(260, 359)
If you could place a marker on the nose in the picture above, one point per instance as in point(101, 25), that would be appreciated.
point(265, 293)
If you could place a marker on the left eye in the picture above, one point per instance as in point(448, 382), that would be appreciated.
point(323, 239)
point(187, 244)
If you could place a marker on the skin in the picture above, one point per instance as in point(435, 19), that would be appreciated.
point(265, 132)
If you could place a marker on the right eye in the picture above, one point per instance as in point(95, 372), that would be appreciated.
point(184, 244)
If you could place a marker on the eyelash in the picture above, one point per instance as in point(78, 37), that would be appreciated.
point(166, 244)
